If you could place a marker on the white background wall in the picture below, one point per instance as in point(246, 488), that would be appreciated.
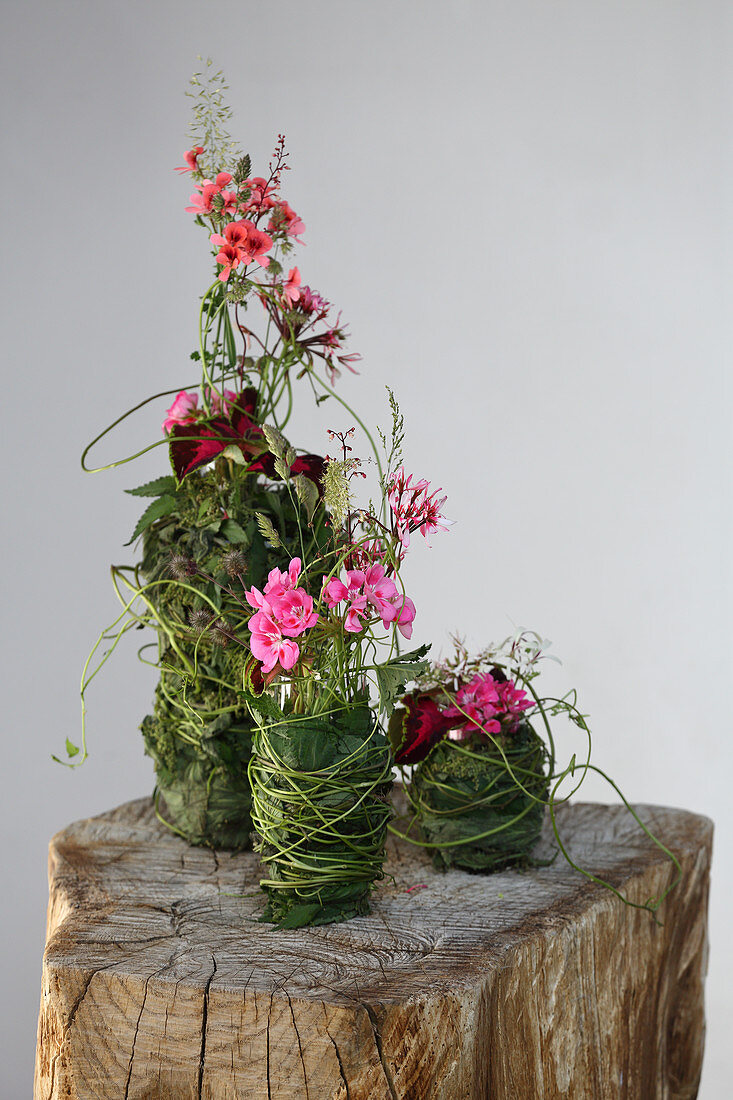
point(523, 210)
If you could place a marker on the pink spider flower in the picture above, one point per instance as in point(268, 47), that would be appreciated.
point(312, 303)
point(191, 157)
point(268, 644)
point(182, 411)
point(413, 508)
point(291, 288)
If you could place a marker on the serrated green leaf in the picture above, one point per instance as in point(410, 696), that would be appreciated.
point(71, 748)
point(155, 488)
point(394, 676)
point(163, 506)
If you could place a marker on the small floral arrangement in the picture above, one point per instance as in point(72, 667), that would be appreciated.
point(482, 775)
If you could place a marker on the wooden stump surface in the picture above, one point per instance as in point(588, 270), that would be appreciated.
point(159, 982)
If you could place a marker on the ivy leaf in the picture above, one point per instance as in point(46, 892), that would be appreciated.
point(394, 676)
point(155, 488)
point(163, 506)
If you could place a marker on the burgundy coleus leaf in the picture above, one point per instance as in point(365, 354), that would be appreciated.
point(422, 724)
point(310, 465)
point(194, 445)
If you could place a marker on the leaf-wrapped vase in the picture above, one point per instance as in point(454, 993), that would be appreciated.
point(320, 807)
point(481, 809)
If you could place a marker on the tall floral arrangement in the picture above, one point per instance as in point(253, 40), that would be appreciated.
point(227, 507)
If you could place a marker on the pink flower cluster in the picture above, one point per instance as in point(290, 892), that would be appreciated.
point(484, 704)
point(283, 612)
point(211, 196)
point(414, 508)
point(369, 593)
point(242, 243)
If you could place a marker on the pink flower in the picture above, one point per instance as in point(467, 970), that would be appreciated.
point(475, 706)
point(334, 591)
point(380, 591)
point(203, 202)
point(291, 289)
point(357, 611)
point(268, 644)
point(221, 404)
point(229, 257)
point(261, 194)
point(284, 219)
point(182, 411)
point(413, 509)
point(310, 302)
point(404, 615)
point(191, 158)
point(258, 243)
point(293, 611)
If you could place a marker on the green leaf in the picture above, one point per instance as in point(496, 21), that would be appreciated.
point(154, 488)
point(232, 532)
point(394, 676)
point(235, 453)
point(163, 506)
point(71, 748)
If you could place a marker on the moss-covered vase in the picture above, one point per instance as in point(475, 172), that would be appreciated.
point(479, 810)
point(320, 808)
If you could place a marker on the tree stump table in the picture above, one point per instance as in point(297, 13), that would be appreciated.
point(159, 982)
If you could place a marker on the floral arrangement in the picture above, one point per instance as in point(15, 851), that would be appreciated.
point(275, 591)
point(481, 775)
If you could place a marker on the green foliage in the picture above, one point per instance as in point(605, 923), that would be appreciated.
point(320, 805)
point(394, 676)
point(161, 506)
point(472, 810)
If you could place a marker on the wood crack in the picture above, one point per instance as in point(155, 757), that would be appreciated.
point(340, 1063)
point(380, 1050)
point(300, 1047)
point(134, 1038)
point(204, 1025)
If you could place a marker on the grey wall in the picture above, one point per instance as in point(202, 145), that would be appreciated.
point(523, 209)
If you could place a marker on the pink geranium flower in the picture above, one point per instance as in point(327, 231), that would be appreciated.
point(357, 611)
point(182, 411)
point(404, 615)
point(476, 704)
point(293, 611)
point(258, 243)
point(191, 158)
point(268, 644)
point(291, 289)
